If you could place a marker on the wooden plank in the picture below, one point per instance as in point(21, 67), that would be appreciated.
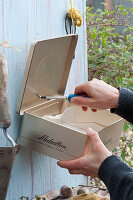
point(21, 23)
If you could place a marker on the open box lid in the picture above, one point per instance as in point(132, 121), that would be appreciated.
point(47, 70)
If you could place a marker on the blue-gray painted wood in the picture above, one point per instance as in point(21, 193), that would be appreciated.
point(22, 22)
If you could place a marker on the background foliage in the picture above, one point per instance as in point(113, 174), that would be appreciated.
point(110, 58)
point(110, 53)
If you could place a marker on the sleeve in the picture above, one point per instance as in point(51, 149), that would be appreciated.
point(125, 105)
point(118, 177)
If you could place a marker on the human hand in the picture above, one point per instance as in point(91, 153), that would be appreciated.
point(101, 96)
point(89, 164)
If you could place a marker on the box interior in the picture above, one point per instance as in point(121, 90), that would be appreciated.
point(47, 70)
point(70, 116)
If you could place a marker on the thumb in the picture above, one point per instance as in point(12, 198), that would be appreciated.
point(93, 137)
point(70, 164)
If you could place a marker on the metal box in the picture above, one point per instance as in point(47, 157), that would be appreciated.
point(46, 74)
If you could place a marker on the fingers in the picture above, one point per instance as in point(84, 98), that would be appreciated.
point(100, 95)
point(84, 108)
point(94, 110)
point(86, 87)
point(83, 88)
point(83, 101)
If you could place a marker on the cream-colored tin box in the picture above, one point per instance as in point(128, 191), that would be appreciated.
point(55, 127)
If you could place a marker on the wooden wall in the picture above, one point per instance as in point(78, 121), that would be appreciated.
point(21, 22)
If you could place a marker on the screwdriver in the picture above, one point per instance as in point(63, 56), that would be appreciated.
point(61, 97)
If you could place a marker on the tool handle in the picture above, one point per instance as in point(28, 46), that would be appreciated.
point(73, 95)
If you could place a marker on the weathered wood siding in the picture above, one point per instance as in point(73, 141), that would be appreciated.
point(21, 22)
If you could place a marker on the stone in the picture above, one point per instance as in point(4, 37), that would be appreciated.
point(82, 190)
point(66, 191)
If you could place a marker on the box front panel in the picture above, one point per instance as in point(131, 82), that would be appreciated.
point(51, 139)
